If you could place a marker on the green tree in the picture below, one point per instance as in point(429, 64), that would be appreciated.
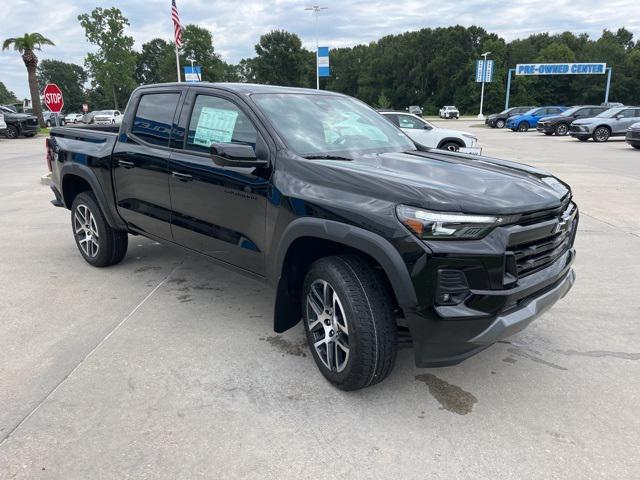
point(6, 95)
point(69, 77)
point(153, 64)
point(26, 46)
point(383, 101)
point(198, 44)
point(113, 66)
point(280, 60)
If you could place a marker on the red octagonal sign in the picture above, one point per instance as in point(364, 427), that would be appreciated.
point(53, 98)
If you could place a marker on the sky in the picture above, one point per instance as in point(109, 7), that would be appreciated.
point(237, 25)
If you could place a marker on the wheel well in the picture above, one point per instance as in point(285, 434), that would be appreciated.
point(300, 255)
point(451, 140)
point(72, 185)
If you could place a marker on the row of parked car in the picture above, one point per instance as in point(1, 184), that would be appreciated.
point(598, 122)
point(14, 124)
point(104, 117)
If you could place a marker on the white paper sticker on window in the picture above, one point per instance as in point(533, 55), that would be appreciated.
point(215, 125)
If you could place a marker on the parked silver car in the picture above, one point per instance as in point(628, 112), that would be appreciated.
point(610, 123)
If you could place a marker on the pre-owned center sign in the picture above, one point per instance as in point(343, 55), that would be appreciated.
point(560, 68)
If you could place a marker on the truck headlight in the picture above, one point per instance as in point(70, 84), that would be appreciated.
point(431, 225)
point(468, 135)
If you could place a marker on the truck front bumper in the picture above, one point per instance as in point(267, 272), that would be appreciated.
point(453, 335)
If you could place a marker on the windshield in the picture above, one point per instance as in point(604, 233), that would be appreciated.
point(330, 125)
point(612, 112)
point(570, 111)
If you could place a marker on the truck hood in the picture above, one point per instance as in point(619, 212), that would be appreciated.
point(440, 181)
point(18, 116)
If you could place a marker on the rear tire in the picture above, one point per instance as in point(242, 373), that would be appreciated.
point(99, 244)
point(523, 127)
point(349, 320)
point(500, 123)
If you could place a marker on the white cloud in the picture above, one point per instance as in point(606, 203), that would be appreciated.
point(237, 26)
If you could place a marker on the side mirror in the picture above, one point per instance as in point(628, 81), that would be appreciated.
point(235, 155)
point(619, 116)
point(426, 127)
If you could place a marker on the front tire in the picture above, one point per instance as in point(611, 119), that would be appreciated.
point(349, 320)
point(99, 244)
point(500, 123)
point(562, 129)
point(601, 134)
point(450, 146)
point(523, 127)
point(11, 132)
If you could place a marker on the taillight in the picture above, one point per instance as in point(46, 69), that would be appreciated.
point(47, 145)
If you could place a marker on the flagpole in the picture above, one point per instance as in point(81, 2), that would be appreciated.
point(178, 63)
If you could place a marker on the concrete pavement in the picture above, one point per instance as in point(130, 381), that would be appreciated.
point(166, 367)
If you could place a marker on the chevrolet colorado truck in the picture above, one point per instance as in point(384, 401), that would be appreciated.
point(369, 240)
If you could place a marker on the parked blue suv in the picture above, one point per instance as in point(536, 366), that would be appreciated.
point(522, 123)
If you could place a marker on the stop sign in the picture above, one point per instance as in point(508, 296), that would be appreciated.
point(53, 98)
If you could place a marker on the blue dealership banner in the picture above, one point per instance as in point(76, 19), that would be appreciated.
point(192, 74)
point(561, 68)
point(323, 62)
point(484, 70)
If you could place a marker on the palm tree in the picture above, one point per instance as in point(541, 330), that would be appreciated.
point(26, 46)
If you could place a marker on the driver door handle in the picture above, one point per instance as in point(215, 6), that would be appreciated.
point(183, 177)
point(126, 164)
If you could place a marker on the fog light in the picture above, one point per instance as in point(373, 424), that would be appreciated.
point(452, 287)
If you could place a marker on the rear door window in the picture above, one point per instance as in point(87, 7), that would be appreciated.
point(217, 120)
point(154, 117)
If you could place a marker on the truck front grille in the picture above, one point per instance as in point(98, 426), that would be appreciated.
point(550, 243)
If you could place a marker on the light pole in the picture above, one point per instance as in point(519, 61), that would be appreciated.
point(192, 59)
point(316, 11)
point(484, 74)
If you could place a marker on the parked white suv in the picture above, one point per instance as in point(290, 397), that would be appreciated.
point(73, 117)
point(428, 135)
point(449, 111)
point(108, 117)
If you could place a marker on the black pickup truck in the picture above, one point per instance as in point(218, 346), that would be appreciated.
point(372, 241)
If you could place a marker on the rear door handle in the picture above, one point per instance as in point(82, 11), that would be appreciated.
point(183, 177)
point(125, 164)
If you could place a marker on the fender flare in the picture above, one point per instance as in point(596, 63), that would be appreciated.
point(358, 238)
point(86, 174)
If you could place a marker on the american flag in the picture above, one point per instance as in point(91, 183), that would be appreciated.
point(177, 28)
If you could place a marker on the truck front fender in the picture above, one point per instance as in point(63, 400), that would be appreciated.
point(287, 313)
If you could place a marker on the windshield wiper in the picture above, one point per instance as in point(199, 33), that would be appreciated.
point(326, 157)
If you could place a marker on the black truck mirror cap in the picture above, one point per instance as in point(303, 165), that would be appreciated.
point(235, 155)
